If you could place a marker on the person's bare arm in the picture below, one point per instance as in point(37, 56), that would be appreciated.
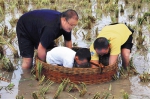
point(94, 61)
point(41, 52)
point(68, 44)
point(113, 59)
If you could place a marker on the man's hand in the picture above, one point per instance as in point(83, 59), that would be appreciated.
point(41, 52)
point(68, 44)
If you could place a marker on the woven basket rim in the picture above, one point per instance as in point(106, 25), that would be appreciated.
point(80, 70)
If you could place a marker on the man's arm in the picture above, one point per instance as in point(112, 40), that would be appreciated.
point(94, 61)
point(41, 52)
point(113, 59)
point(68, 44)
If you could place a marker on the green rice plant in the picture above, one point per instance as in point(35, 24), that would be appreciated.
point(52, 1)
point(122, 10)
point(19, 97)
point(39, 68)
point(116, 1)
point(2, 4)
point(45, 2)
point(134, 6)
point(140, 20)
point(1, 52)
point(9, 87)
point(15, 52)
point(7, 64)
point(116, 12)
point(126, 2)
point(13, 21)
point(45, 87)
point(125, 95)
point(107, 1)
point(96, 96)
point(140, 39)
point(83, 89)
point(105, 95)
point(139, 5)
point(145, 77)
point(61, 88)
point(113, 7)
point(72, 96)
point(34, 95)
point(113, 19)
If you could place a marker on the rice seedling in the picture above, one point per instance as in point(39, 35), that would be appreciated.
point(113, 7)
point(116, 12)
point(125, 95)
point(105, 95)
point(83, 89)
point(39, 69)
point(96, 96)
point(88, 36)
point(126, 2)
point(19, 97)
point(116, 1)
point(24, 9)
point(139, 5)
point(52, 1)
point(83, 3)
point(140, 20)
point(121, 10)
point(2, 4)
point(145, 77)
point(72, 87)
point(115, 77)
point(72, 96)
point(114, 19)
point(9, 87)
point(134, 6)
point(15, 52)
point(13, 21)
point(1, 52)
point(26, 2)
point(61, 88)
point(45, 87)
point(34, 95)
point(45, 2)
point(75, 44)
point(74, 32)
point(107, 1)
point(130, 17)
point(140, 39)
point(96, 32)
point(7, 64)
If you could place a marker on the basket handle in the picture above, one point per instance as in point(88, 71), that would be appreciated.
point(98, 65)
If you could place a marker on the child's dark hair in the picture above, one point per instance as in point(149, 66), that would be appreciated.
point(84, 53)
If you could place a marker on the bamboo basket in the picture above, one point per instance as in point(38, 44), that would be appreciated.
point(76, 75)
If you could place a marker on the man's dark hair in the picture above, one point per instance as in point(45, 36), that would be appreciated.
point(84, 53)
point(101, 43)
point(70, 14)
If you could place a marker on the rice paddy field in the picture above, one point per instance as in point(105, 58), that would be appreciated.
point(16, 83)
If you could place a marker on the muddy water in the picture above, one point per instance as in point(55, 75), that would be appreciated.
point(25, 84)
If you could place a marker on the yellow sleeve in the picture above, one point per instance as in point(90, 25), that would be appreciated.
point(94, 55)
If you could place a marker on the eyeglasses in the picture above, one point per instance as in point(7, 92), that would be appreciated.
point(70, 24)
point(83, 65)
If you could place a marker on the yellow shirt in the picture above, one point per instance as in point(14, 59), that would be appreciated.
point(116, 34)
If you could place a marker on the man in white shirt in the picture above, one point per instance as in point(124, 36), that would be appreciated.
point(66, 57)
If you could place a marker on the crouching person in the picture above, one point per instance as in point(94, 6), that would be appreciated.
point(66, 57)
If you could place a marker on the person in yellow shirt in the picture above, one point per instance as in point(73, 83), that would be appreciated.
point(112, 40)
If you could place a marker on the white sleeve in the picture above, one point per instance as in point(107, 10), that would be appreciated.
point(68, 64)
point(48, 58)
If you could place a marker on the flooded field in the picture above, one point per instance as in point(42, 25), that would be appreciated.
point(94, 15)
